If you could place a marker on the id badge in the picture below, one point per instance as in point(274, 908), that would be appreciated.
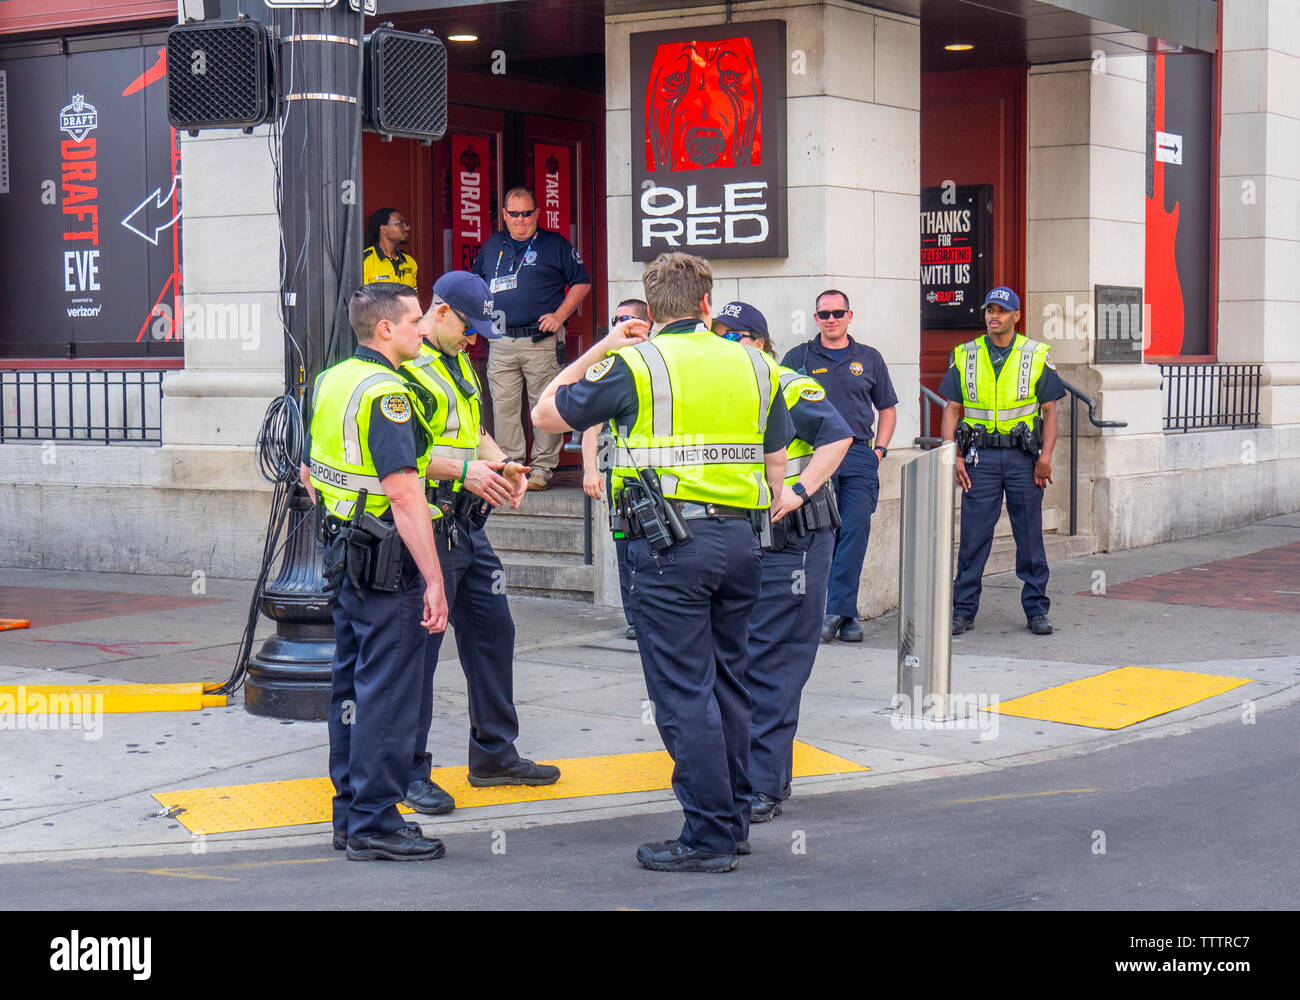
point(504, 284)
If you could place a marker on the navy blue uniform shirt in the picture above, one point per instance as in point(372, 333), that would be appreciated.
point(613, 396)
point(855, 382)
point(391, 443)
point(1048, 389)
point(543, 266)
point(817, 422)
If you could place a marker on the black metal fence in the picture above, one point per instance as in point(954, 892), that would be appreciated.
point(112, 406)
point(1198, 397)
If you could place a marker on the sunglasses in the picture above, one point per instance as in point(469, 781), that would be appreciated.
point(828, 313)
point(735, 335)
point(520, 215)
point(400, 225)
point(623, 318)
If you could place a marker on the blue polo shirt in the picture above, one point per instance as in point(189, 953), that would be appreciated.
point(614, 397)
point(855, 378)
point(544, 266)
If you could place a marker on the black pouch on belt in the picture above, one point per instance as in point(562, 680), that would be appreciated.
point(333, 567)
point(780, 529)
point(561, 349)
point(386, 551)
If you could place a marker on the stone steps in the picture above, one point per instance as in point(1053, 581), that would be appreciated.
point(540, 545)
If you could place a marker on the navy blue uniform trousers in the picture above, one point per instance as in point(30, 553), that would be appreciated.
point(784, 633)
point(691, 612)
point(1001, 471)
point(378, 645)
point(485, 643)
point(857, 481)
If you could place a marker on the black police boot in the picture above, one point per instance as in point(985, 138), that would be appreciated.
point(1040, 625)
point(341, 839)
point(764, 808)
point(521, 772)
point(851, 630)
point(960, 624)
point(831, 627)
point(404, 845)
point(424, 796)
point(674, 856)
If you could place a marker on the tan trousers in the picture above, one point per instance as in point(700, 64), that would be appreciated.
point(512, 365)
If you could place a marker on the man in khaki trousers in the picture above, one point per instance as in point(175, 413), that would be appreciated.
point(528, 270)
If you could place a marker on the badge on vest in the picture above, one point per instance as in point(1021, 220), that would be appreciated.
point(396, 408)
point(598, 371)
point(812, 394)
point(856, 367)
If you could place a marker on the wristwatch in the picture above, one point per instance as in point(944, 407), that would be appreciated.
point(800, 491)
point(884, 452)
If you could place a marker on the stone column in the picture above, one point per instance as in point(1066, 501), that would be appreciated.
point(1259, 199)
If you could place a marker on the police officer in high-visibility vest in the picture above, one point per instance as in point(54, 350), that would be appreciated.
point(367, 471)
point(468, 474)
point(1001, 393)
point(785, 625)
point(700, 430)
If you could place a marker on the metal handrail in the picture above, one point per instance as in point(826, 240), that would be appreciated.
point(575, 444)
point(927, 441)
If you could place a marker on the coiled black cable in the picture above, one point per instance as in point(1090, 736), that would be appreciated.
point(279, 448)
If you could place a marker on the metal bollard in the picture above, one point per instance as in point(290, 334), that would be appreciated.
point(925, 586)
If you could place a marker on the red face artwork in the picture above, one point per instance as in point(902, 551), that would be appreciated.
point(703, 106)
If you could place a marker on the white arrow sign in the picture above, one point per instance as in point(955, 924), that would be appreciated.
point(159, 202)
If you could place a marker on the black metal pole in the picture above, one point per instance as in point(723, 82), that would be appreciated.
point(320, 54)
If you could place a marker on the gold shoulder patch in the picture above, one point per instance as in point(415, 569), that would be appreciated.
point(811, 394)
point(598, 371)
point(396, 408)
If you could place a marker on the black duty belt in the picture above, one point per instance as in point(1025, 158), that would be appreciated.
point(531, 331)
point(694, 511)
point(862, 440)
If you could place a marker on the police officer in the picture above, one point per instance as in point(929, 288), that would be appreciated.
point(786, 621)
point(856, 379)
point(707, 416)
point(527, 270)
point(368, 473)
point(1003, 389)
point(384, 259)
point(597, 440)
point(468, 474)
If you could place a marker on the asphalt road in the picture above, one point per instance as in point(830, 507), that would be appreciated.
point(1200, 821)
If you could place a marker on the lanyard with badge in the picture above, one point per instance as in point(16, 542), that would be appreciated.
point(511, 280)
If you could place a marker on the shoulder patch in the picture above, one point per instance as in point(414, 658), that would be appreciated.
point(812, 395)
point(396, 407)
point(577, 256)
point(599, 370)
point(1050, 363)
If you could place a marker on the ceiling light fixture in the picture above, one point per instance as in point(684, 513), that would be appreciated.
point(462, 38)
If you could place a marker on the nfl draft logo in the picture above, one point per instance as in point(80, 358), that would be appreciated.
point(79, 119)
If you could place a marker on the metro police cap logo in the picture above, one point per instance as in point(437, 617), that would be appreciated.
point(731, 309)
point(79, 119)
point(598, 371)
point(396, 408)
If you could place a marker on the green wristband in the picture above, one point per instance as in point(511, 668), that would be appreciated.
point(464, 468)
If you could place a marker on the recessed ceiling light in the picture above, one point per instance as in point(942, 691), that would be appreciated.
point(462, 38)
point(959, 47)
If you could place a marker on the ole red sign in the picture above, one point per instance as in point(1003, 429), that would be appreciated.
point(551, 181)
point(470, 222)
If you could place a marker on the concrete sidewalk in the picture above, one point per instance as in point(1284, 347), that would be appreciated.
point(1191, 605)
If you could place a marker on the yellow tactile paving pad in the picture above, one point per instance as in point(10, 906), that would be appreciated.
point(1119, 697)
point(78, 699)
point(270, 804)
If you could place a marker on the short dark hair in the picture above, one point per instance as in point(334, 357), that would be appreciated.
point(378, 218)
point(831, 291)
point(638, 306)
point(375, 301)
